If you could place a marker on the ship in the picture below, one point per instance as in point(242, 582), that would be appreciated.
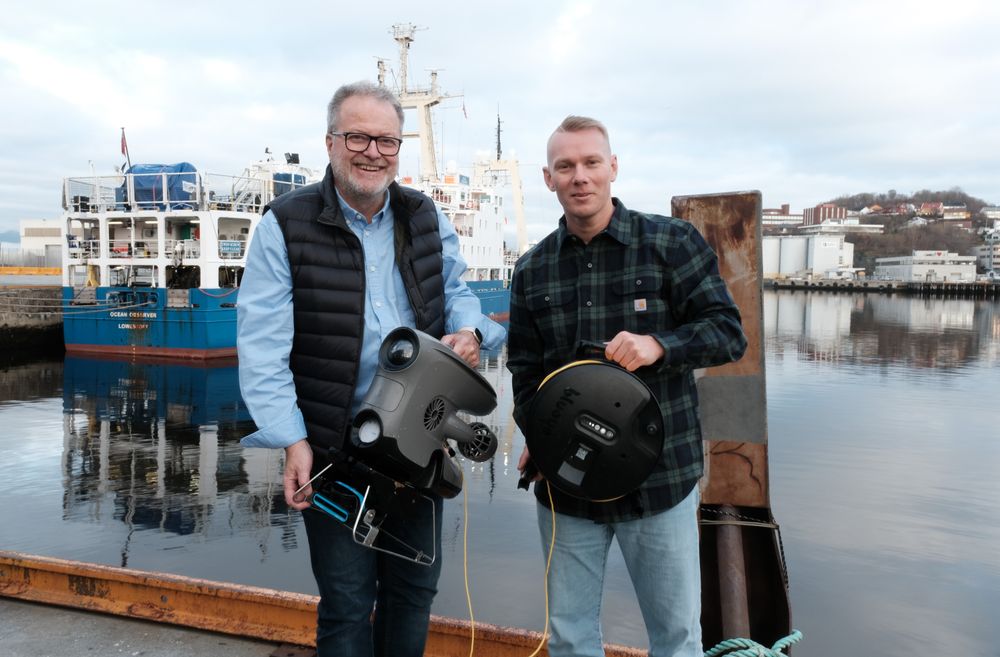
point(153, 257)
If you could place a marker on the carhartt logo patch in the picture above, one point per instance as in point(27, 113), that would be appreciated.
point(640, 305)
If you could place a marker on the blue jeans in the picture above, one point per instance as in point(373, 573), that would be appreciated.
point(661, 554)
point(354, 580)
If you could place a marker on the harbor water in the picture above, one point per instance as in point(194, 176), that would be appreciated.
point(884, 440)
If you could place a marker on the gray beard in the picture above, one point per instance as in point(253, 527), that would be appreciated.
point(353, 193)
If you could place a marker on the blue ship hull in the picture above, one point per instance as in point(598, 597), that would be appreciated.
point(140, 321)
point(494, 299)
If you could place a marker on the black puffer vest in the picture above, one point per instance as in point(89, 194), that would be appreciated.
point(328, 294)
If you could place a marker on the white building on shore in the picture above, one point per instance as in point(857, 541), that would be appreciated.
point(927, 266)
point(807, 256)
point(39, 234)
point(988, 255)
point(40, 245)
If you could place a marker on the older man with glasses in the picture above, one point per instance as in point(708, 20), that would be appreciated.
point(333, 268)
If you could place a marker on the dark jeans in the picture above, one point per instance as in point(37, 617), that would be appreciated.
point(353, 580)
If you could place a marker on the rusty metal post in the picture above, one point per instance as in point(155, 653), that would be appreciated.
point(732, 579)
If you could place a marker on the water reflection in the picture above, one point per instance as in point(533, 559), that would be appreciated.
point(883, 450)
point(890, 330)
point(158, 444)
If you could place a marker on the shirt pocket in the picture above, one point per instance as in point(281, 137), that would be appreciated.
point(641, 297)
point(554, 311)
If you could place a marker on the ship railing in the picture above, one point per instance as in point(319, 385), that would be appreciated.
point(129, 192)
point(90, 194)
point(236, 193)
point(146, 249)
point(120, 248)
point(78, 249)
point(163, 191)
point(250, 192)
point(180, 249)
point(441, 196)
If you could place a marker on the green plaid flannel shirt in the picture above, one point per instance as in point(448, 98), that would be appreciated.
point(646, 274)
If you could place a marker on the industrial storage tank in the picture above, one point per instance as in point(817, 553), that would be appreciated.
point(793, 256)
point(771, 257)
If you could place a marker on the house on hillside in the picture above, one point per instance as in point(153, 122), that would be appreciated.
point(990, 212)
point(957, 215)
point(931, 209)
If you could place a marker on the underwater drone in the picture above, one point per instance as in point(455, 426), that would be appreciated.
point(594, 430)
point(398, 448)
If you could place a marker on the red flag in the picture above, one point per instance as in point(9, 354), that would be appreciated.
point(128, 160)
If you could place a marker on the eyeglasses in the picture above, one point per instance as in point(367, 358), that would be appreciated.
point(358, 142)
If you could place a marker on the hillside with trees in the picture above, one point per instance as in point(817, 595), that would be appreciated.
point(899, 238)
point(954, 196)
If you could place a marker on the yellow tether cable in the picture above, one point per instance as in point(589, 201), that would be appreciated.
point(465, 567)
point(548, 563)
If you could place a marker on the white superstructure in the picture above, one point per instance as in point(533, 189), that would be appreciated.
point(171, 229)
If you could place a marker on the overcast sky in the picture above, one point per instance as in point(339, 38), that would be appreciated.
point(803, 100)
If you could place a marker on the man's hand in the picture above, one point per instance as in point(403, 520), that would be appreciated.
point(522, 463)
point(632, 351)
point(298, 469)
point(465, 346)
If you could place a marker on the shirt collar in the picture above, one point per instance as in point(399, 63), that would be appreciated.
point(353, 215)
point(619, 228)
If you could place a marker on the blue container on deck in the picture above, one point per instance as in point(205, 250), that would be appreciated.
point(160, 186)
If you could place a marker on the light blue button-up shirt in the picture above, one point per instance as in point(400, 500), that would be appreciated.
point(265, 322)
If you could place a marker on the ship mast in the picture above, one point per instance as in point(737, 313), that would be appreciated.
point(500, 168)
point(419, 99)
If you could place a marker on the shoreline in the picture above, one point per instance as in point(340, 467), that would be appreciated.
point(976, 289)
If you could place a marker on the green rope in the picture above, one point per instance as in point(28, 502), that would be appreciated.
point(748, 648)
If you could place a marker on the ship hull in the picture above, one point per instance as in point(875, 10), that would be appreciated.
point(141, 322)
point(494, 298)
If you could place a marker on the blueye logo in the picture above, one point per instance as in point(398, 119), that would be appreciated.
point(565, 400)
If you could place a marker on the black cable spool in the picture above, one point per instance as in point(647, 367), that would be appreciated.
point(595, 430)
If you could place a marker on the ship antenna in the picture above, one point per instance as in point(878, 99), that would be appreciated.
point(499, 150)
point(381, 71)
